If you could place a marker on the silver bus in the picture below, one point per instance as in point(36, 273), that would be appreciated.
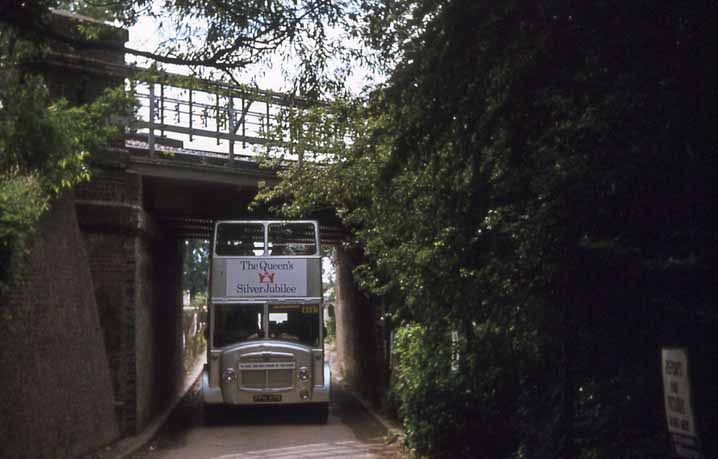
point(266, 335)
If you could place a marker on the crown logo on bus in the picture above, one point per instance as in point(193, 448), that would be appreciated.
point(266, 278)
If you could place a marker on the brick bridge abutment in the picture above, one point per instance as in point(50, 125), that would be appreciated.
point(137, 279)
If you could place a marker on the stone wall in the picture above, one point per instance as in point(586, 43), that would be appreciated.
point(56, 398)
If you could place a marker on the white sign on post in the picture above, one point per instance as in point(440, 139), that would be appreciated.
point(679, 408)
point(267, 278)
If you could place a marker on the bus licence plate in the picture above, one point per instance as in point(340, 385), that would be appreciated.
point(267, 398)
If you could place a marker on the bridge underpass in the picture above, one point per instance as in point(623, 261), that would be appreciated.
point(134, 216)
point(145, 197)
point(133, 226)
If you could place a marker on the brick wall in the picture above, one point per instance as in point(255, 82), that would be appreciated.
point(81, 74)
point(158, 319)
point(137, 273)
point(111, 262)
point(167, 318)
point(99, 288)
point(57, 390)
point(110, 183)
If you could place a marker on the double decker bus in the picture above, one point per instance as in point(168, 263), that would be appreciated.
point(266, 334)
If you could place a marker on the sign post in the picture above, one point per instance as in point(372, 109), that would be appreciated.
point(679, 409)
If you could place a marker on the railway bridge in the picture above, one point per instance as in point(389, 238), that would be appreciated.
point(101, 291)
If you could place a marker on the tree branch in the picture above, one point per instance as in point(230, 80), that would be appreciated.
point(31, 25)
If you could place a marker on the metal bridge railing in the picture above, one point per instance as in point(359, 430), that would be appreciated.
point(207, 116)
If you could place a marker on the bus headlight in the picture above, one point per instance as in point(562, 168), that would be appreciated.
point(304, 374)
point(229, 375)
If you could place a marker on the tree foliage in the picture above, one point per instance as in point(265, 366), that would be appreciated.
point(195, 267)
point(537, 178)
point(310, 36)
point(43, 143)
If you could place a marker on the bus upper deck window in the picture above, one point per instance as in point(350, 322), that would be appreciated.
point(292, 239)
point(240, 239)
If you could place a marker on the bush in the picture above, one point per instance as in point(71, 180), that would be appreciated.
point(22, 202)
point(194, 323)
point(448, 404)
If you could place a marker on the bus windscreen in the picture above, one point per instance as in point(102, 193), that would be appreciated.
point(295, 322)
point(235, 323)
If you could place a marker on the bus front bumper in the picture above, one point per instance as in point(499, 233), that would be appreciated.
point(213, 395)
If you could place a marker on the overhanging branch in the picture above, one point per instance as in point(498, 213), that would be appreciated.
point(32, 26)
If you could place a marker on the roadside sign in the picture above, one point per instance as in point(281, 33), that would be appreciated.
point(678, 404)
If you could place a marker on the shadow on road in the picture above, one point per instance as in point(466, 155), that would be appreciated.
point(192, 414)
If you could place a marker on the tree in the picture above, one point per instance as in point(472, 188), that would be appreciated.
point(225, 35)
point(528, 179)
point(43, 143)
point(195, 266)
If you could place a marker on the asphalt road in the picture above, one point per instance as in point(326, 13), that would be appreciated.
point(269, 432)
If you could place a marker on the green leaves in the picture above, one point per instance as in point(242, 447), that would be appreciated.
point(53, 139)
point(43, 147)
point(529, 180)
point(195, 268)
point(22, 202)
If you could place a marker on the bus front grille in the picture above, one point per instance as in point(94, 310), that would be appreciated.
point(253, 379)
point(266, 379)
point(279, 378)
point(266, 370)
